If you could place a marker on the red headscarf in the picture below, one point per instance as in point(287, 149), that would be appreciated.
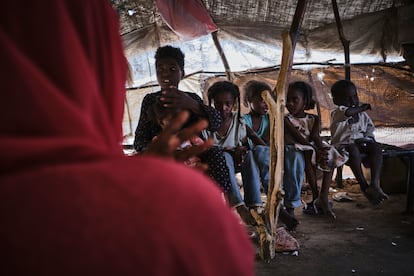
point(70, 202)
point(63, 77)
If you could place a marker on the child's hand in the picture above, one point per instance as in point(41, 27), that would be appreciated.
point(322, 154)
point(239, 155)
point(366, 106)
point(176, 99)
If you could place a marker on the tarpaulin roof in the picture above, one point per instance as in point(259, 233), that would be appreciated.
point(250, 34)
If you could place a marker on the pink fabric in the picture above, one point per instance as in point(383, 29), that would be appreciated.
point(187, 18)
point(70, 202)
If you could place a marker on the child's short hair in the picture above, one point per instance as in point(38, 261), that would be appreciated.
point(338, 88)
point(169, 51)
point(307, 91)
point(222, 87)
point(253, 89)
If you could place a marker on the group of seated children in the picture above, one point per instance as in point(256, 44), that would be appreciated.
point(352, 133)
point(241, 142)
point(232, 137)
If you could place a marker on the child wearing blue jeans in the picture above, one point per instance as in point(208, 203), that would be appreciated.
point(258, 125)
point(257, 120)
point(232, 136)
point(302, 132)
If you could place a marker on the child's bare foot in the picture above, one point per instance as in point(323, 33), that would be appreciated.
point(290, 221)
point(383, 195)
point(375, 195)
point(245, 215)
point(324, 208)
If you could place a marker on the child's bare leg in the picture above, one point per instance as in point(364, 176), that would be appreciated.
point(375, 161)
point(245, 215)
point(355, 162)
point(310, 172)
point(288, 218)
point(323, 202)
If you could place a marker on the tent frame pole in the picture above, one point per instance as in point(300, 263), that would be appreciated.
point(222, 55)
point(276, 112)
point(345, 42)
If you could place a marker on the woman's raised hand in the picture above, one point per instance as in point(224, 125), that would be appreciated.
point(172, 136)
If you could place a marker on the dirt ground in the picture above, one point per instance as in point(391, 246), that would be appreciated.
point(363, 240)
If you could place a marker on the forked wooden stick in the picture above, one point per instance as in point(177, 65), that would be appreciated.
point(276, 112)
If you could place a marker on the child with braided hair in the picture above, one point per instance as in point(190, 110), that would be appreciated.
point(302, 131)
point(232, 138)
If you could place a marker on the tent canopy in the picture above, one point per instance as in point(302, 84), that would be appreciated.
point(250, 32)
point(250, 35)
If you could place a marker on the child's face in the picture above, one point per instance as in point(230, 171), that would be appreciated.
point(168, 72)
point(258, 105)
point(348, 97)
point(295, 102)
point(224, 103)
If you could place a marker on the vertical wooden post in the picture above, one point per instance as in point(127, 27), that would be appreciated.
point(222, 55)
point(276, 112)
point(345, 42)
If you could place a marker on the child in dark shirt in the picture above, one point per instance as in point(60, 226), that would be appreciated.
point(169, 63)
point(158, 114)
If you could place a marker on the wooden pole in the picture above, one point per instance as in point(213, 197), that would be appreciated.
point(344, 41)
point(276, 112)
point(222, 55)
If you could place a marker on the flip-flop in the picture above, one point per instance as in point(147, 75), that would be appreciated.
point(342, 197)
point(290, 221)
point(309, 209)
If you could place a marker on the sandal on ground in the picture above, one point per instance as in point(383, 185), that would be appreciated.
point(285, 242)
point(309, 209)
point(290, 221)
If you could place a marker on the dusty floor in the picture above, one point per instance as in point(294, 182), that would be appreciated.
point(363, 240)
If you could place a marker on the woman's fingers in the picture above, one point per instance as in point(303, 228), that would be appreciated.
point(192, 151)
point(167, 141)
point(193, 130)
point(173, 135)
point(176, 124)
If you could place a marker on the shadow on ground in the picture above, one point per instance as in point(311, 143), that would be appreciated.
point(363, 240)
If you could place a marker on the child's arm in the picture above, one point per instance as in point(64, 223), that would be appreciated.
point(315, 135)
point(322, 150)
point(254, 137)
point(351, 111)
point(290, 128)
point(146, 129)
